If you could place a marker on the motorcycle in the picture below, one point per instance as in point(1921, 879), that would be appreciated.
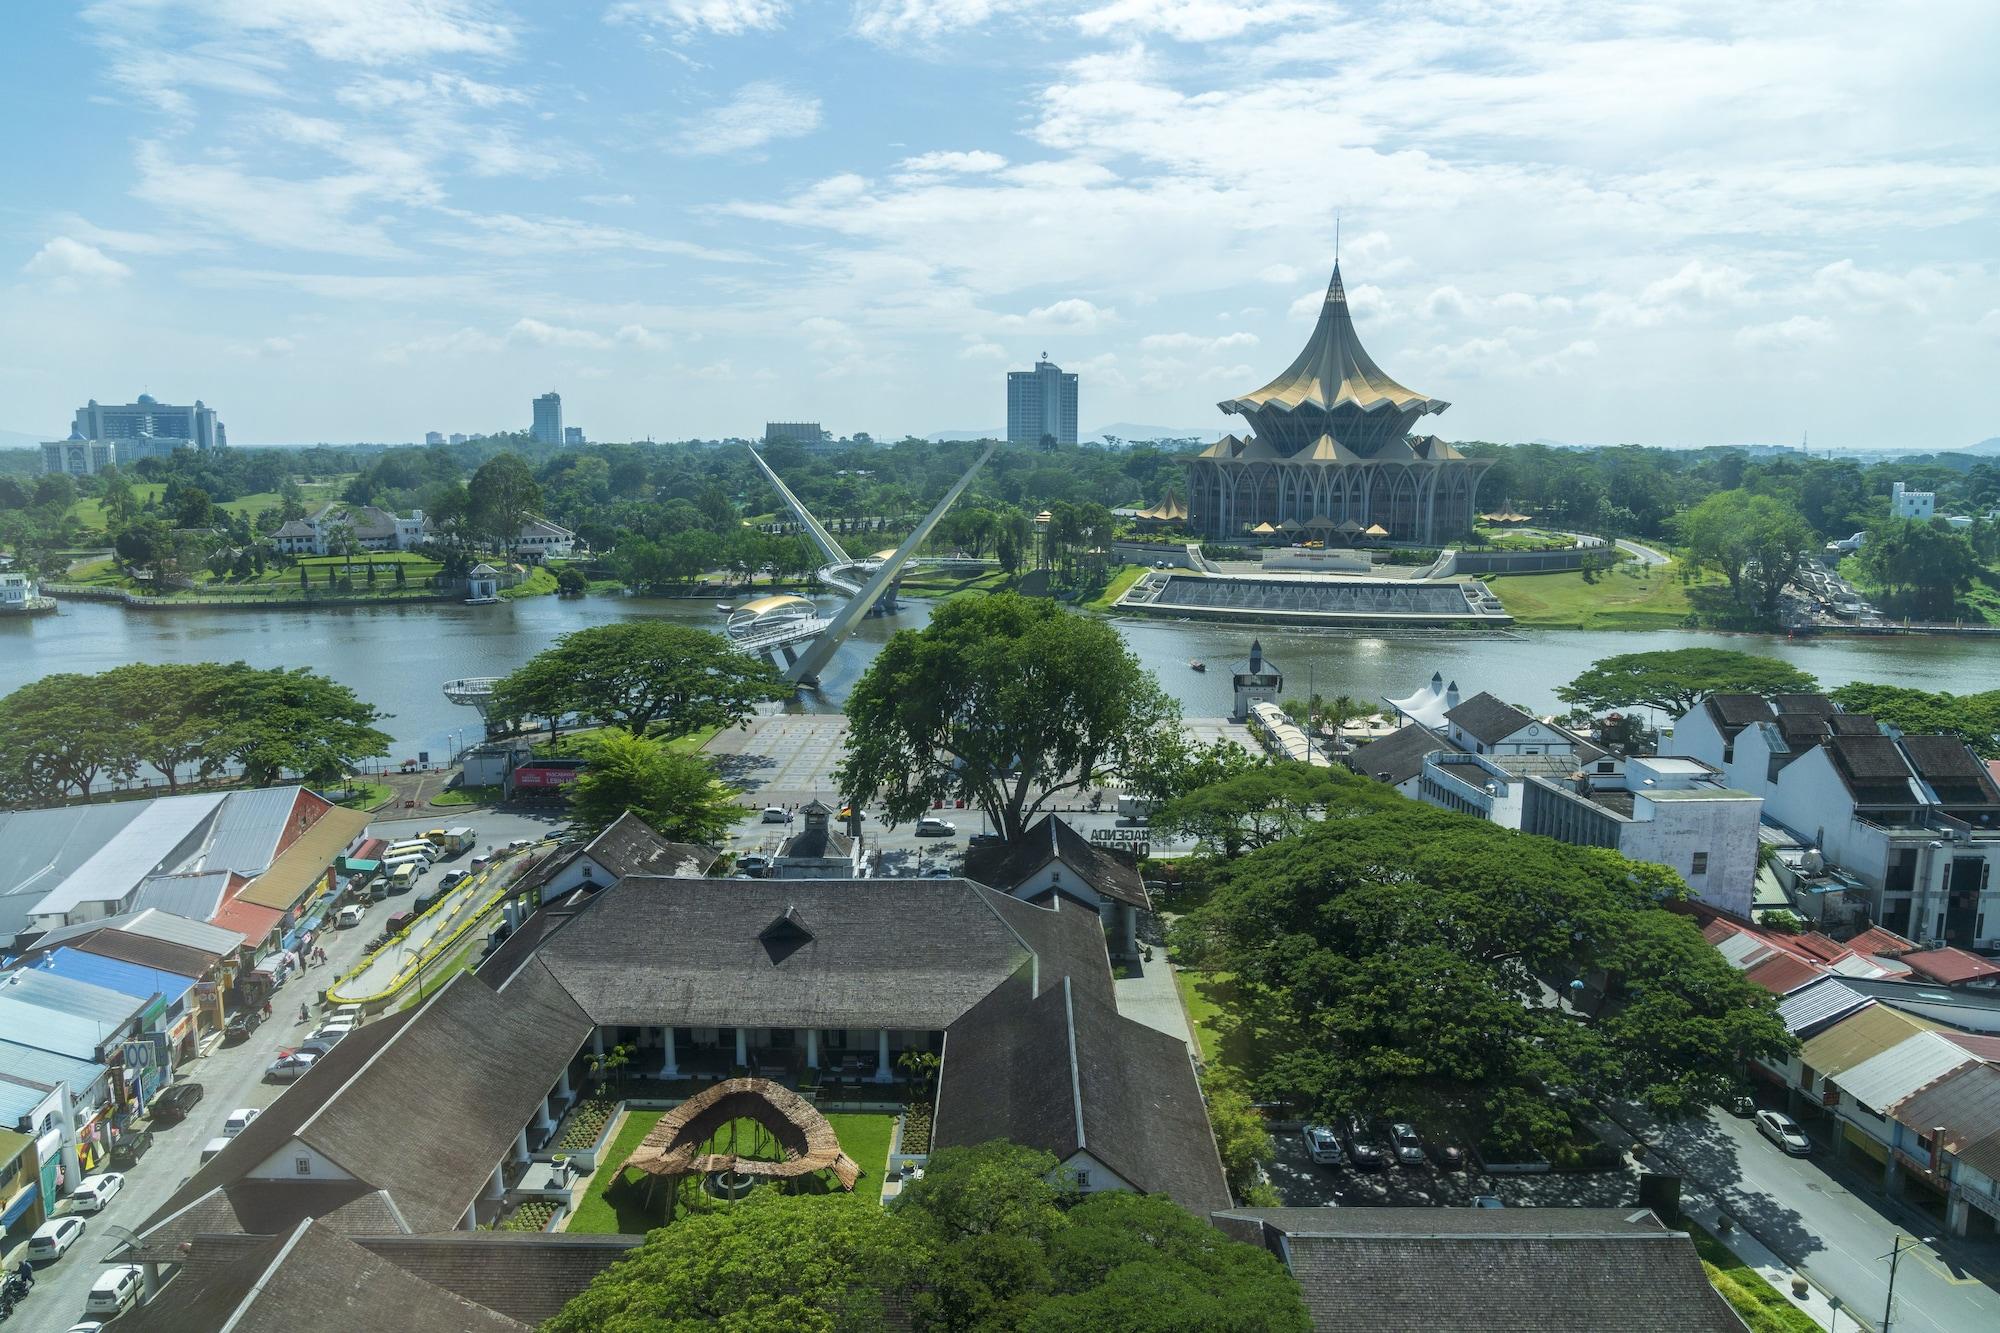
point(14, 1290)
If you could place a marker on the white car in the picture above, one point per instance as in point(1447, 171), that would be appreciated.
point(775, 814)
point(239, 1120)
point(53, 1238)
point(1323, 1145)
point(935, 828)
point(1784, 1131)
point(116, 1290)
point(95, 1192)
point(289, 1066)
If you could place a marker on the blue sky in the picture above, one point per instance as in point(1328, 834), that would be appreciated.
point(1671, 221)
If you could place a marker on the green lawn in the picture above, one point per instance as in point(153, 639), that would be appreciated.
point(1204, 994)
point(467, 796)
point(368, 795)
point(539, 583)
point(89, 511)
point(1627, 596)
point(1761, 1306)
point(616, 1201)
point(1121, 582)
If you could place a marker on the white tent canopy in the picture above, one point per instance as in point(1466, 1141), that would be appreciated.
point(1429, 704)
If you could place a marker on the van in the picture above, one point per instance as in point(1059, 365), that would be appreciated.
point(435, 837)
point(212, 1147)
point(775, 814)
point(404, 876)
point(350, 917)
point(415, 846)
point(115, 1291)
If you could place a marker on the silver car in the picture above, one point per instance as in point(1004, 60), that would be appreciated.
point(1784, 1131)
point(1323, 1145)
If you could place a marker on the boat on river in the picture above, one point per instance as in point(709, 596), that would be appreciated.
point(1196, 664)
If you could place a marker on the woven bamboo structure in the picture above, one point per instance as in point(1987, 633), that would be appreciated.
point(807, 1140)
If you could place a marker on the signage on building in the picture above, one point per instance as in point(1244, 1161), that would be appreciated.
point(1137, 841)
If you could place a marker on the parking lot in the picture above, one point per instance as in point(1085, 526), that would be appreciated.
point(1303, 1183)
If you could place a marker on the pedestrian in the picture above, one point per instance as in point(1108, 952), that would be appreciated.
point(267, 1008)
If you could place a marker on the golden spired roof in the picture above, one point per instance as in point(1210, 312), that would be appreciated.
point(1334, 369)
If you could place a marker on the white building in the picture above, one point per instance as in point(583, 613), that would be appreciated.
point(1906, 503)
point(18, 594)
point(372, 529)
point(1915, 818)
point(542, 540)
point(1669, 811)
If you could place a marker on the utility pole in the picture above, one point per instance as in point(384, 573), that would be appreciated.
point(1894, 1256)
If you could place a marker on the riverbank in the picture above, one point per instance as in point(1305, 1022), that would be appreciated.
point(1628, 596)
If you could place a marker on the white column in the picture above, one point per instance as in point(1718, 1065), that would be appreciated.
point(562, 1084)
point(470, 1222)
point(881, 1055)
point(542, 1121)
point(597, 1042)
point(521, 1148)
point(742, 1046)
point(669, 1068)
point(812, 1048)
point(496, 1188)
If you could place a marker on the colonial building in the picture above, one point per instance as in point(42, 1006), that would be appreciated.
point(1330, 450)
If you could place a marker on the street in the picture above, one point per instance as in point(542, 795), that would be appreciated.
point(230, 1076)
point(1840, 1239)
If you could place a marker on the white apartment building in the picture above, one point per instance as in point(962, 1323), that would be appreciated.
point(1906, 503)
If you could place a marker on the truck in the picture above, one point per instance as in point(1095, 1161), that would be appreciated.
point(458, 840)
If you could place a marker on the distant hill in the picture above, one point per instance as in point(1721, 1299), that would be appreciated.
point(14, 439)
point(1991, 446)
point(1133, 430)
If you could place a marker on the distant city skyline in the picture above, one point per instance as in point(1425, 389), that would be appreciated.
point(342, 221)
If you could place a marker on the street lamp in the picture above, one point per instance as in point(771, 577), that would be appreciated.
point(1894, 1256)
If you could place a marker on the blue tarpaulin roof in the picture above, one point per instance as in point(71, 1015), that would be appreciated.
point(116, 974)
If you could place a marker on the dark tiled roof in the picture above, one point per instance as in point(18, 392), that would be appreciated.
point(1873, 769)
point(1802, 731)
point(1854, 724)
point(524, 1276)
point(163, 955)
point(1817, 705)
point(818, 844)
point(309, 1280)
point(1528, 1270)
point(1733, 712)
point(1064, 1072)
point(1399, 756)
point(626, 846)
point(262, 1208)
point(1112, 873)
point(1489, 718)
point(1953, 771)
point(906, 954)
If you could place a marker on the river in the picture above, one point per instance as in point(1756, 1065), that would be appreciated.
point(396, 657)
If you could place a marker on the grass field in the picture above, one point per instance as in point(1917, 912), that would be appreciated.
point(539, 583)
point(616, 1201)
point(90, 512)
point(1122, 580)
point(1760, 1305)
point(1627, 596)
point(368, 795)
point(468, 796)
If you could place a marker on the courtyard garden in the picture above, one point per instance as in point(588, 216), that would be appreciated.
point(630, 1202)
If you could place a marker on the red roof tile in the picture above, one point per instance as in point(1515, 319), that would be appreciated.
point(1784, 973)
point(1876, 940)
point(1950, 966)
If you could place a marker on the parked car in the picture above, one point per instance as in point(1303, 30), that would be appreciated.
point(985, 840)
point(1488, 1201)
point(775, 814)
point(53, 1238)
point(350, 917)
point(1447, 1156)
point(95, 1192)
point(115, 1291)
point(211, 1150)
point(239, 1120)
point(453, 878)
point(289, 1066)
point(1784, 1131)
point(1362, 1149)
point(131, 1146)
point(241, 1024)
point(317, 1046)
point(1743, 1105)
point(753, 865)
point(1409, 1147)
point(398, 921)
point(172, 1105)
point(519, 844)
point(335, 1027)
point(1322, 1145)
point(936, 828)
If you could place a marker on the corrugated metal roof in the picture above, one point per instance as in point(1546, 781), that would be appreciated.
point(39, 849)
point(111, 1009)
point(117, 974)
point(305, 860)
point(1742, 948)
point(154, 924)
point(1857, 965)
point(252, 921)
point(1966, 1103)
point(45, 1069)
point(1879, 1083)
point(1812, 1007)
point(247, 831)
point(193, 896)
point(1781, 974)
point(131, 854)
point(1861, 1036)
point(52, 1029)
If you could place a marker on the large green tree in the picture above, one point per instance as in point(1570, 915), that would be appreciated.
point(1918, 568)
point(1758, 542)
point(501, 494)
point(1404, 962)
point(1973, 718)
point(678, 794)
point(1677, 679)
point(1263, 804)
point(297, 722)
point(641, 675)
point(58, 736)
point(1004, 701)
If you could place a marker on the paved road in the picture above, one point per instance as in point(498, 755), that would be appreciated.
point(231, 1076)
point(1646, 555)
point(1811, 1216)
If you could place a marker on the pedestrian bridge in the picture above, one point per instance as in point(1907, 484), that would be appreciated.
point(476, 691)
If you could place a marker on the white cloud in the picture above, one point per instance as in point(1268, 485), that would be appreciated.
point(1283, 274)
point(1695, 286)
point(264, 349)
point(609, 200)
point(1563, 362)
point(758, 114)
point(1196, 343)
point(381, 92)
point(638, 335)
point(67, 261)
point(512, 235)
point(367, 32)
point(315, 214)
point(968, 163)
point(1444, 303)
point(683, 18)
point(530, 330)
point(1191, 20)
point(1798, 331)
point(891, 21)
point(1070, 315)
point(978, 349)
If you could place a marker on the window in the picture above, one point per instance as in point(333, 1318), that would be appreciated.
point(1700, 866)
point(1083, 1180)
point(302, 1164)
point(1729, 752)
point(1607, 766)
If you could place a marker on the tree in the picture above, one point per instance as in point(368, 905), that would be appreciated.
point(570, 581)
point(297, 722)
point(1003, 701)
point(1973, 718)
point(1757, 542)
point(678, 794)
point(1401, 963)
point(641, 675)
point(1263, 804)
point(1240, 1137)
point(117, 498)
point(291, 501)
point(501, 495)
point(1676, 680)
point(773, 1262)
point(173, 714)
point(1919, 568)
point(56, 734)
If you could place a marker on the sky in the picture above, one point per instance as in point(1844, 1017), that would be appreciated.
point(1676, 222)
